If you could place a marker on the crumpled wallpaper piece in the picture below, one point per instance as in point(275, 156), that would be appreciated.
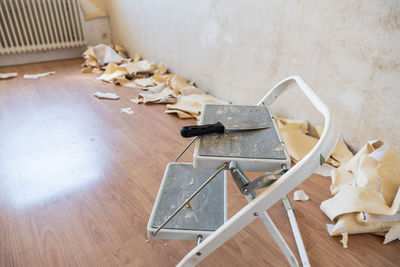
point(105, 54)
point(112, 72)
point(98, 56)
point(366, 192)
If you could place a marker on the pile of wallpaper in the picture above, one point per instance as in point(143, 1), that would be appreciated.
point(365, 187)
point(159, 86)
point(366, 194)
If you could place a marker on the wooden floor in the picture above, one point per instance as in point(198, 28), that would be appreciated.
point(78, 180)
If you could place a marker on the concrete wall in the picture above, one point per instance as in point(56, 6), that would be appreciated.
point(348, 52)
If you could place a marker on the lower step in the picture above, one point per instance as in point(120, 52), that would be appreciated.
point(206, 212)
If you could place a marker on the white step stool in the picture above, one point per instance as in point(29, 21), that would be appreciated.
point(182, 209)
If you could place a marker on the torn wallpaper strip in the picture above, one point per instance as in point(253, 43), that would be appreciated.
point(8, 75)
point(38, 75)
point(101, 95)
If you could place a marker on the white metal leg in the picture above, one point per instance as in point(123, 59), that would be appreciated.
point(296, 232)
point(276, 235)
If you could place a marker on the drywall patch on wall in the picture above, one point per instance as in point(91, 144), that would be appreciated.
point(348, 52)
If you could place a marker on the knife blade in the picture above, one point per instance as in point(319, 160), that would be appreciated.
point(198, 130)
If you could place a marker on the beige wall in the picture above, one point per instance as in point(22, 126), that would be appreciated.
point(349, 53)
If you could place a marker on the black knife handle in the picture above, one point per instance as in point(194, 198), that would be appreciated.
point(197, 130)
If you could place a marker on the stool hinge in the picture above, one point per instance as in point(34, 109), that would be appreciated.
point(248, 187)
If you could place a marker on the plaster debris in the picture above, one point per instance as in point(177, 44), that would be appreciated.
point(8, 75)
point(111, 96)
point(128, 111)
point(366, 192)
point(300, 195)
point(38, 75)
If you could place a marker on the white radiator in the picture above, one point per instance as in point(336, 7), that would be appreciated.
point(34, 25)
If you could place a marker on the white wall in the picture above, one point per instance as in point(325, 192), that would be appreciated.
point(348, 52)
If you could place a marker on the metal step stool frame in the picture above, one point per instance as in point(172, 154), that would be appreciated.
point(256, 208)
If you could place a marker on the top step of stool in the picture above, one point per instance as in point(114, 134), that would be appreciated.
point(259, 150)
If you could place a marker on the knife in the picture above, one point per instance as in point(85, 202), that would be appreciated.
point(198, 130)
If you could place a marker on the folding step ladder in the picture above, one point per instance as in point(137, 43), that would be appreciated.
point(192, 200)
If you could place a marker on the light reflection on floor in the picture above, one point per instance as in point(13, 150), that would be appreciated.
point(42, 161)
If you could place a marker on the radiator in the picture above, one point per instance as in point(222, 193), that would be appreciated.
point(35, 25)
